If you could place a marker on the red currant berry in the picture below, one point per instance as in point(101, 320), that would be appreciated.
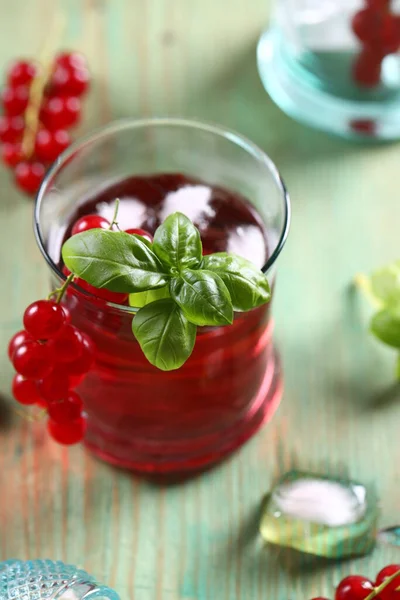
point(354, 587)
point(11, 154)
point(55, 386)
point(90, 222)
point(44, 319)
point(15, 100)
point(67, 346)
point(50, 144)
point(67, 314)
point(367, 69)
point(29, 176)
point(67, 433)
point(391, 591)
point(101, 293)
point(17, 340)
point(71, 60)
point(378, 4)
point(363, 126)
point(82, 365)
point(388, 41)
point(75, 380)
point(25, 391)
point(71, 82)
point(21, 72)
point(60, 112)
point(33, 360)
point(11, 128)
point(142, 232)
point(366, 25)
point(67, 410)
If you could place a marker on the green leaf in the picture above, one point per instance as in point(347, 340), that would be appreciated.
point(177, 242)
point(386, 328)
point(203, 297)
point(142, 298)
point(114, 260)
point(247, 285)
point(385, 285)
point(165, 335)
point(398, 367)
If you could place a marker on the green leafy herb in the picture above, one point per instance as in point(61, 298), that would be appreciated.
point(177, 242)
point(203, 297)
point(382, 288)
point(142, 298)
point(172, 285)
point(247, 285)
point(114, 260)
point(164, 334)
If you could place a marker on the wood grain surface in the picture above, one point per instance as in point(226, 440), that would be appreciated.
point(199, 540)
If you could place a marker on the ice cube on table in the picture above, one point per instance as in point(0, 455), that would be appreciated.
point(49, 580)
point(320, 515)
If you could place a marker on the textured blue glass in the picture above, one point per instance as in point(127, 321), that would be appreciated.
point(49, 580)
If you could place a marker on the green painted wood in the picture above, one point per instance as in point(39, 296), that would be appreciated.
point(197, 59)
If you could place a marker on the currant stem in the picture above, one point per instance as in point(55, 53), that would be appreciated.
point(364, 285)
point(59, 292)
point(383, 586)
point(114, 218)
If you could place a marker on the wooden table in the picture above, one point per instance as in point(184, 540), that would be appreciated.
point(199, 540)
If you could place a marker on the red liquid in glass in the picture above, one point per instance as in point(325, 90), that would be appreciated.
point(157, 422)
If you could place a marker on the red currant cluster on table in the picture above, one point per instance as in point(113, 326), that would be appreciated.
point(57, 102)
point(51, 358)
point(98, 222)
point(356, 587)
point(378, 30)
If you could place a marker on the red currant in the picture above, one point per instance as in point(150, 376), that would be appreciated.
point(142, 232)
point(11, 128)
point(17, 340)
point(103, 294)
point(388, 41)
point(71, 82)
point(29, 176)
point(367, 69)
point(363, 126)
point(71, 60)
point(33, 360)
point(82, 365)
point(354, 587)
point(11, 154)
point(25, 391)
point(50, 144)
point(390, 592)
point(55, 386)
point(15, 100)
point(75, 380)
point(44, 319)
point(67, 346)
point(66, 410)
point(67, 433)
point(378, 4)
point(90, 222)
point(366, 24)
point(67, 314)
point(21, 72)
point(60, 112)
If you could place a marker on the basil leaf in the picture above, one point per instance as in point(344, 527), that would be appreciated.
point(247, 285)
point(203, 297)
point(177, 242)
point(386, 328)
point(114, 260)
point(385, 285)
point(142, 298)
point(165, 335)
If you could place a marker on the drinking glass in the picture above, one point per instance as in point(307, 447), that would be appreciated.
point(140, 417)
point(317, 68)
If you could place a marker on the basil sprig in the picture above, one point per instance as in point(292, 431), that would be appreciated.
point(383, 290)
point(174, 287)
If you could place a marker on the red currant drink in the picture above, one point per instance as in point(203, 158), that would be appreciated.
point(138, 416)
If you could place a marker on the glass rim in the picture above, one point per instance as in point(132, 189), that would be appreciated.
point(120, 125)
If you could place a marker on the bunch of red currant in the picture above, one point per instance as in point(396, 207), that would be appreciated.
point(58, 108)
point(356, 587)
point(51, 358)
point(378, 30)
